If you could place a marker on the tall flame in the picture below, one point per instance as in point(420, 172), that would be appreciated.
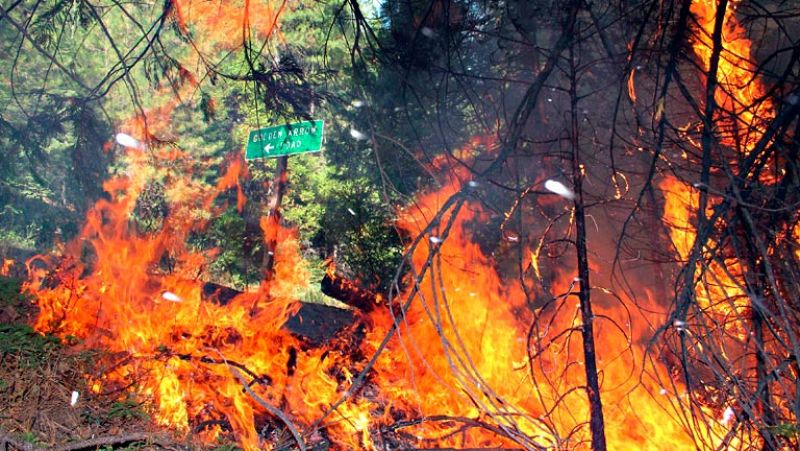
point(741, 95)
point(743, 110)
point(468, 363)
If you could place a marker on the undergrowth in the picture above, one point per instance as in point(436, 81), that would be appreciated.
point(31, 348)
point(11, 291)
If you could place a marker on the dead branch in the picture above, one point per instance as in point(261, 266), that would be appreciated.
point(9, 443)
point(114, 440)
point(596, 421)
point(274, 411)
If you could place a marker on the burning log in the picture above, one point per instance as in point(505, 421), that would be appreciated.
point(220, 294)
point(317, 323)
point(345, 290)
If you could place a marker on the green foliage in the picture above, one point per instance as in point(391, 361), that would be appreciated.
point(786, 430)
point(118, 411)
point(127, 409)
point(54, 124)
point(151, 208)
point(21, 239)
point(33, 349)
point(11, 291)
point(60, 147)
point(343, 214)
point(30, 437)
point(237, 260)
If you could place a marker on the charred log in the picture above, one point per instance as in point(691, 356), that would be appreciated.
point(347, 291)
point(317, 323)
point(217, 293)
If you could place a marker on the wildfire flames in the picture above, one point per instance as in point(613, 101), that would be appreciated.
point(459, 352)
point(458, 363)
point(742, 110)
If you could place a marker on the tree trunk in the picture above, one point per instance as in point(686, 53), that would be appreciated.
point(596, 421)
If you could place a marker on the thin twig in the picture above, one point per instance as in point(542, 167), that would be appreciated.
point(273, 410)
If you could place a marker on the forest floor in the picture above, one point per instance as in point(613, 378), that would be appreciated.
point(39, 376)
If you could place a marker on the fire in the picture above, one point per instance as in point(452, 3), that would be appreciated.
point(722, 306)
point(458, 371)
point(743, 111)
point(462, 369)
point(165, 336)
point(5, 269)
point(464, 357)
point(740, 96)
point(720, 290)
point(796, 238)
point(226, 24)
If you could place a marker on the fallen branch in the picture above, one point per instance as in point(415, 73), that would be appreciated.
point(466, 422)
point(212, 361)
point(6, 442)
point(113, 440)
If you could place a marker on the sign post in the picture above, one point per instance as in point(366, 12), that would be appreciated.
point(279, 142)
point(289, 139)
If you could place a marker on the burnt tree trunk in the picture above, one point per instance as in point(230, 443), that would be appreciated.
point(596, 421)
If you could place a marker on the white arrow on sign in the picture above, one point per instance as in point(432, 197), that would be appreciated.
point(268, 148)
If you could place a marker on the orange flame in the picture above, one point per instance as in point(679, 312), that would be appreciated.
point(461, 352)
point(741, 96)
point(5, 269)
point(464, 369)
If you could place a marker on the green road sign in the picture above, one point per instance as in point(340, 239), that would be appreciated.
point(299, 137)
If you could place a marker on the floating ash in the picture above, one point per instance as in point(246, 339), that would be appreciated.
point(170, 296)
point(727, 415)
point(559, 188)
point(126, 140)
point(359, 136)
